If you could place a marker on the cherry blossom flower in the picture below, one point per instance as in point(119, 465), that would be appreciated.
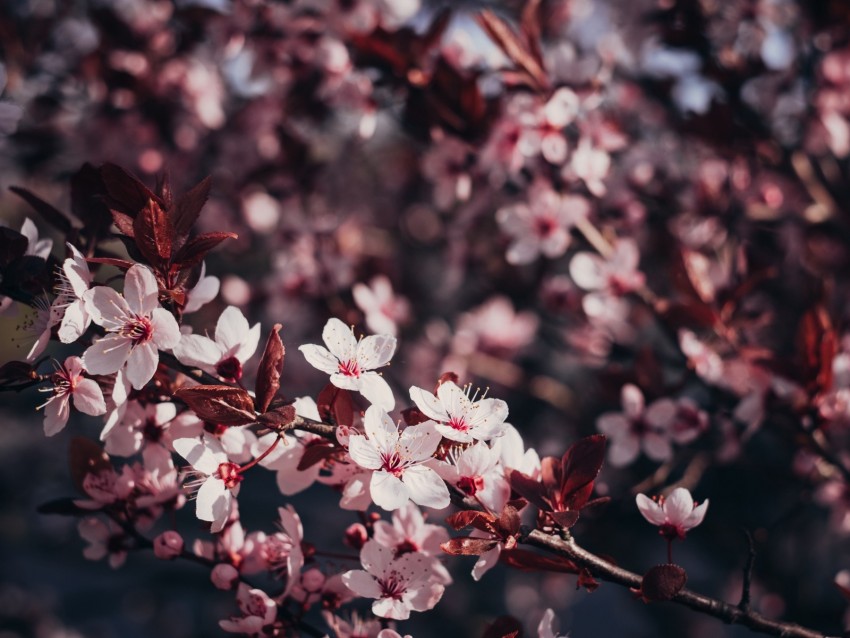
point(477, 473)
point(351, 364)
point(104, 539)
point(447, 165)
point(591, 165)
point(459, 417)
point(204, 291)
point(140, 424)
point(410, 533)
point(675, 515)
point(235, 343)
point(36, 247)
point(638, 427)
point(544, 628)
point(398, 585)
point(74, 281)
point(258, 612)
point(357, 627)
point(542, 226)
point(616, 275)
point(69, 383)
point(512, 453)
point(217, 479)
point(398, 459)
point(383, 309)
point(558, 113)
point(137, 328)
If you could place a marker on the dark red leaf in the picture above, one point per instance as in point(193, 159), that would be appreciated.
point(188, 207)
point(509, 521)
point(124, 223)
point(565, 519)
point(87, 200)
point(278, 418)
point(581, 464)
point(662, 582)
point(466, 546)
point(466, 518)
point(335, 405)
point(446, 376)
point(316, 452)
point(219, 404)
point(513, 47)
point(532, 491)
point(154, 233)
point(126, 192)
point(111, 261)
point(530, 561)
point(16, 371)
point(412, 416)
point(271, 367)
point(817, 346)
point(51, 215)
point(586, 580)
point(86, 457)
point(503, 627)
point(197, 248)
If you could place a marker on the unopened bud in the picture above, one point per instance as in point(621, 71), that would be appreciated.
point(356, 536)
point(168, 545)
point(224, 576)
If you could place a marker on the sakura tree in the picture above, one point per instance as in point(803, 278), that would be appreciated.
point(403, 318)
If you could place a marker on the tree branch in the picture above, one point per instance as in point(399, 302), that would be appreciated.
point(731, 614)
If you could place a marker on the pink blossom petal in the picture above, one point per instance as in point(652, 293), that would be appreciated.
point(74, 322)
point(361, 583)
point(320, 358)
point(56, 415)
point(376, 390)
point(632, 399)
point(204, 455)
point(107, 355)
point(198, 351)
point(364, 453)
point(613, 424)
point(660, 414)
point(678, 506)
point(623, 450)
point(339, 340)
point(375, 351)
point(428, 404)
point(141, 364)
point(426, 596)
point(166, 332)
point(656, 446)
point(589, 271)
point(486, 562)
point(213, 503)
point(88, 397)
point(387, 490)
point(376, 558)
point(391, 608)
point(141, 290)
point(425, 487)
point(420, 441)
point(107, 308)
point(650, 509)
point(696, 517)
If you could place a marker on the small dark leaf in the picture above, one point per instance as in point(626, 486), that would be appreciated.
point(565, 519)
point(467, 546)
point(278, 418)
point(86, 457)
point(529, 561)
point(51, 215)
point(509, 520)
point(154, 233)
point(126, 192)
point(124, 223)
point(513, 47)
point(111, 261)
point(586, 580)
point(533, 491)
point(466, 518)
point(316, 452)
point(188, 207)
point(412, 416)
point(503, 627)
point(16, 371)
point(63, 507)
point(335, 405)
point(271, 367)
point(581, 464)
point(219, 404)
point(197, 248)
point(663, 582)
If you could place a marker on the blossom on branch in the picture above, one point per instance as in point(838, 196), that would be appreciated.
point(674, 515)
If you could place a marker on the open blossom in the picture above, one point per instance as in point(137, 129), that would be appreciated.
point(615, 276)
point(36, 247)
point(140, 425)
point(638, 427)
point(137, 328)
point(235, 342)
point(258, 611)
point(105, 539)
point(410, 533)
point(398, 585)
point(398, 459)
point(204, 291)
point(69, 383)
point(75, 279)
point(675, 515)
point(351, 364)
point(543, 225)
point(217, 481)
point(476, 472)
point(383, 309)
point(459, 417)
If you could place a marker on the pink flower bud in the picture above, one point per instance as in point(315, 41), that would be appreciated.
point(356, 536)
point(224, 576)
point(168, 545)
point(312, 580)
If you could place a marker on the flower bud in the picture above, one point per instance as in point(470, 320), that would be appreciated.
point(356, 536)
point(312, 580)
point(168, 545)
point(224, 576)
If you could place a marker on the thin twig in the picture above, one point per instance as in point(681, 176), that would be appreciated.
point(744, 605)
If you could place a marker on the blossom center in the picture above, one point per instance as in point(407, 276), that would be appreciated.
point(392, 586)
point(139, 329)
point(229, 473)
point(230, 368)
point(407, 546)
point(544, 226)
point(392, 463)
point(471, 485)
point(349, 368)
point(458, 423)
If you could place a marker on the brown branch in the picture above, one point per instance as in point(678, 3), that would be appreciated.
point(730, 614)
